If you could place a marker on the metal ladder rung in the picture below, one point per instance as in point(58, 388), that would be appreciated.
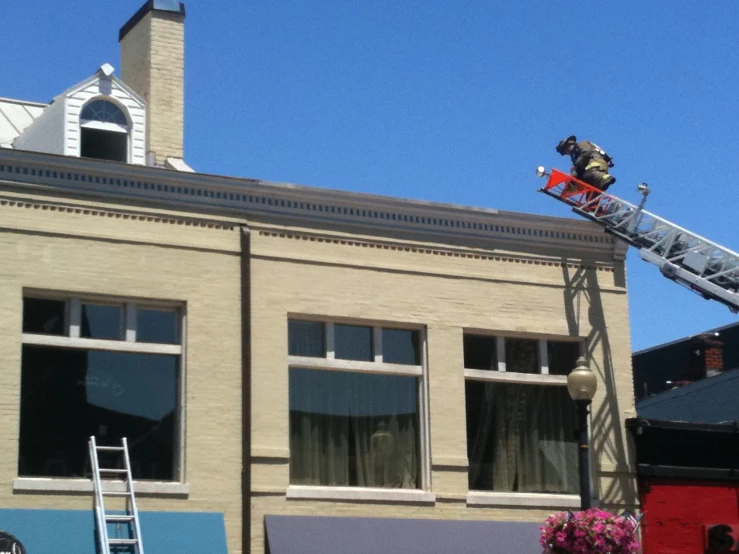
point(114, 542)
point(130, 515)
point(119, 518)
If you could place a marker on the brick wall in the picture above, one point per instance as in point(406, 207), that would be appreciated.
point(86, 248)
point(297, 272)
point(676, 513)
point(153, 64)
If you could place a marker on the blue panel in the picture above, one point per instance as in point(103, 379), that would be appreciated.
point(52, 531)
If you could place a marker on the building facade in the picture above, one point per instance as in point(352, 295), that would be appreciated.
point(293, 367)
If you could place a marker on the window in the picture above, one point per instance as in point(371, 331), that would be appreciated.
point(104, 131)
point(521, 421)
point(108, 369)
point(355, 405)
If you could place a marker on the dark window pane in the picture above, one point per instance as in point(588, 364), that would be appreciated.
point(103, 145)
point(354, 429)
point(67, 395)
point(480, 352)
point(158, 326)
point(401, 347)
point(353, 342)
point(306, 338)
point(43, 316)
point(100, 321)
point(562, 357)
point(522, 356)
point(520, 438)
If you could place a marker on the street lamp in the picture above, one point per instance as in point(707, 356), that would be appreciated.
point(581, 384)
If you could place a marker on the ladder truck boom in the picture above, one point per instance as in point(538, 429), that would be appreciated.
point(699, 264)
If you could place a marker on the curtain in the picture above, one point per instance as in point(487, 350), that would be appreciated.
point(353, 429)
point(525, 438)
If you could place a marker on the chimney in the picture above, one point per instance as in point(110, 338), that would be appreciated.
point(152, 46)
point(708, 358)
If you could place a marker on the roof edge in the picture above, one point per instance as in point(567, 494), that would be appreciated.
point(171, 6)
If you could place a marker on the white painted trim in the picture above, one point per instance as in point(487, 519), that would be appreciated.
point(509, 377)
point(130, 322)
point(308, 362)
point(360, 493)
point(75, 317)
point(43, 484)
point(425, 415)
point(96, 344)
point(103, 125)
point(543, 357)
point(485, 498)
point(377, 344)
point(330, 341)
point(180, 469)
point(500, 353)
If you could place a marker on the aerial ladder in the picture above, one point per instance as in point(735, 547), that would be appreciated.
point(698, 264)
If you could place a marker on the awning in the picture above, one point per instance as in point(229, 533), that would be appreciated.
point(42, 531)
point(359, 535)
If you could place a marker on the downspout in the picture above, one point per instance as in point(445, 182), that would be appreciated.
point(245, 390)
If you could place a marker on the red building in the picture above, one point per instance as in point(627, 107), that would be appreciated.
point(689, 485)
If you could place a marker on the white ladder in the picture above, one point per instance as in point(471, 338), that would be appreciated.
point(697, 263)
point(131, 517)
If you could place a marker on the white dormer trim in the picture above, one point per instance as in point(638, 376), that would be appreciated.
point(58, 129)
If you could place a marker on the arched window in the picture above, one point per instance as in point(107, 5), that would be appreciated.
point(104, 131)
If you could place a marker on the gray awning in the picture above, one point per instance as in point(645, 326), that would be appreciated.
point(359, 535)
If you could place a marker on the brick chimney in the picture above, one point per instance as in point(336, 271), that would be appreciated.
point(708, 356)
point(152, 46)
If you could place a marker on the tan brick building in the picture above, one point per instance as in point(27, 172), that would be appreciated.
point(294, 368)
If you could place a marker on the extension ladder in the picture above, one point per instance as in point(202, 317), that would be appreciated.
point(131, 517)
point(700, 265)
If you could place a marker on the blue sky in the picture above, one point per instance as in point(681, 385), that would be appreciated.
point(444, 101)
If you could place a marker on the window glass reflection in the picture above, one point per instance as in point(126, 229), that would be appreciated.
point(401, 346)
point(68, 395)
point(43, 316)
point(353, 342)
point(158, 326)
point(101, 321)
point(306, 338)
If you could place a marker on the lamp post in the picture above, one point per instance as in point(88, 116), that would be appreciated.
point(581, 384)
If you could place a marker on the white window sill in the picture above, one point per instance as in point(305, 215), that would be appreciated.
point(360, 493)
point(42, 484)
point(541, 500)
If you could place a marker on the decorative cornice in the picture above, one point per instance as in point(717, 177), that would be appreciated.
point(117, 214)
point(260, 201)
point(420, 249)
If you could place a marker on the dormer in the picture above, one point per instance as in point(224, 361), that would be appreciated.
point(99, 118)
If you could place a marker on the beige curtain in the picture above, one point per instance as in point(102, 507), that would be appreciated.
point(352, 429)
point(532, 432)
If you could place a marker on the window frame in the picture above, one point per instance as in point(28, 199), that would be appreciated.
point(500, 375)
point(376, 366)
point(72, 340)
point(106, 125)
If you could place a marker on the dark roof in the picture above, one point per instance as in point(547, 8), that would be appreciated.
point(682, 450)
point(680, 360)
point(710, 400)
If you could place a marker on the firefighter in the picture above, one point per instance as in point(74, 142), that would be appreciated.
point(590, 163)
